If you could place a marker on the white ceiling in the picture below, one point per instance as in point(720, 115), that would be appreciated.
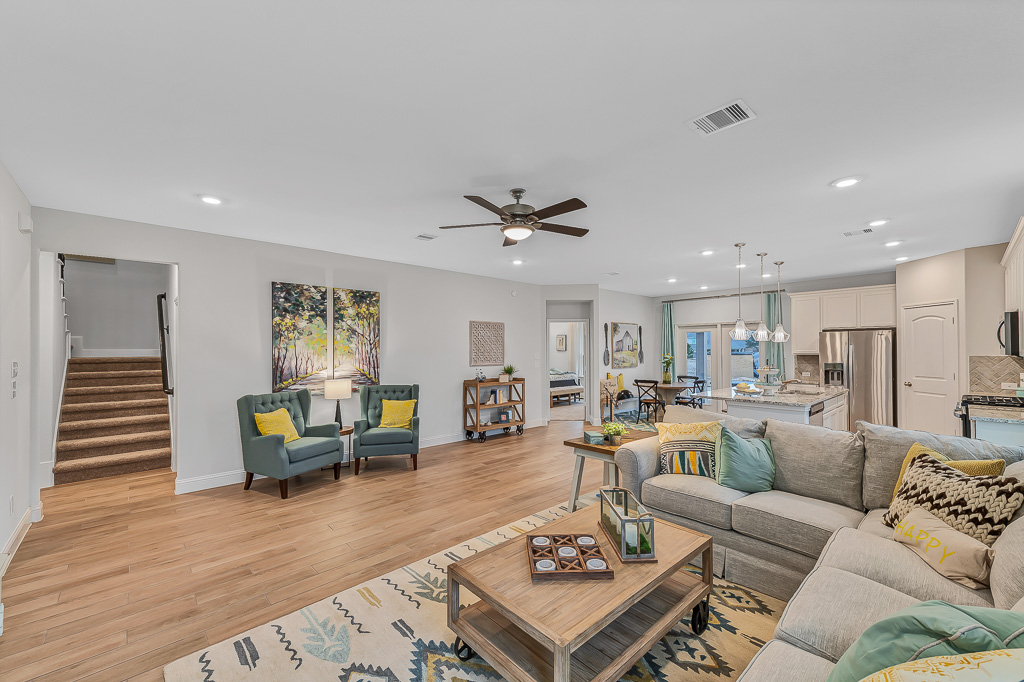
point(354, 126)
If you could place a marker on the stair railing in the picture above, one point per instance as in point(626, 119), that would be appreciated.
point(161, 300)
point(61, 262)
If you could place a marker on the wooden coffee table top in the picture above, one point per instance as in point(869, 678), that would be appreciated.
point(567, 613)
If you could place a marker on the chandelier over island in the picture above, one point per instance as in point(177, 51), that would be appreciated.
point(740, 331)
point(780, 335)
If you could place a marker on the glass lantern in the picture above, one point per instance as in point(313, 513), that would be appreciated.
point(628, 525)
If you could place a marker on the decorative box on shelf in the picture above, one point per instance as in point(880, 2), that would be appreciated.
point(593, 437)
point(628, 525)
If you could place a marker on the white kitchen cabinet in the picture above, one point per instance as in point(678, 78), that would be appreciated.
point(837, 414)
point(806, 321)
point(839, 309)
point(878, 307)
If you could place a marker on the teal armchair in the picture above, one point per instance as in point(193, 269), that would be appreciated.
point(317, 446)
point(370, 440)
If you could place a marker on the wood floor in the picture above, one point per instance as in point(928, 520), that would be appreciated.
point(122, 576)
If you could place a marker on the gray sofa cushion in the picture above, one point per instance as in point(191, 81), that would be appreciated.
point(832, 608)
point(801, 524)
point(310, 446)
point(779, 661)
point(872, 524)
point(817, 462)
point(385, 436)
point(887, 446)
point(1007, 576)
point(745, 428)
point(692, 497)
point(895, 565)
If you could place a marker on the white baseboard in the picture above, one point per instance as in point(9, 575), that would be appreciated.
point(191, 485)
point(12, 543)
point(117, 353)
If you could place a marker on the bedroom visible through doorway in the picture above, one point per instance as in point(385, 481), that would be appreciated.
point(567, 356)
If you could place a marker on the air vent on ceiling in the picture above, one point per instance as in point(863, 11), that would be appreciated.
point(426, 237)
point(728, 116)
point(857, 233)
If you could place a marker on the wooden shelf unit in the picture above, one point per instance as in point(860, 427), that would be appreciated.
point(474, 391)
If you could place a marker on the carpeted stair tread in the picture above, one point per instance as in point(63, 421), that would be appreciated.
point(121, 374)
point(86, 424)
point(100, 361)
point(115, 405)
point(112, 441)
point(101, 390)
point(111, 460)
point(130, 465)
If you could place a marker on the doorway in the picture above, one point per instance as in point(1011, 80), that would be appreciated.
point(568, 348)
point(698, 345)
point(930, 353)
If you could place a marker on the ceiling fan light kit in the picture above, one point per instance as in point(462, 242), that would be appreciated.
point(519, 221)
point(740, 331)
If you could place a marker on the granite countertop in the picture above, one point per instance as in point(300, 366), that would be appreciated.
point(787, 398)
point(1004, 415)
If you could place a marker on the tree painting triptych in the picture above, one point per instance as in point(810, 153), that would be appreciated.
point(302, 343)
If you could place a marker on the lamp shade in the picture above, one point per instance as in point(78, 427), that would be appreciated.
point(338, 389)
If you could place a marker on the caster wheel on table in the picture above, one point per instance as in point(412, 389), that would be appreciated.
point(482, 437)
point(519, 430)
point(699, 617)
point(462, 650)
point(469, 435)
point(507, 429)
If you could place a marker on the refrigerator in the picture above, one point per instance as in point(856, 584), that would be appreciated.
point(864, 361)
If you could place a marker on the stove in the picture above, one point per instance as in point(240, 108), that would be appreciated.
point(962, 409)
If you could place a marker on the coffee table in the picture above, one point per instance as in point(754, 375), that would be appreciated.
point(577, 630)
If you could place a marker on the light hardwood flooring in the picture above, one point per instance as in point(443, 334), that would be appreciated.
point(122, 576)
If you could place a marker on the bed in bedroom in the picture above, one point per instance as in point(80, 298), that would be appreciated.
point(565, 386)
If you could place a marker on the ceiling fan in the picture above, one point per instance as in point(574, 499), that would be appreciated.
point(519, 221)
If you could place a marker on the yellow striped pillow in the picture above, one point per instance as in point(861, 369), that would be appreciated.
point(690, 448)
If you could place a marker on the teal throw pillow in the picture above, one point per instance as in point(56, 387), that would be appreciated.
point(746, 464)
point(931, 628)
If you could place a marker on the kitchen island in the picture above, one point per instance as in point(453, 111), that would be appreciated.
point(816, 405)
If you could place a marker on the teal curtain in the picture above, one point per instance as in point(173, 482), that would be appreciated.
point(668, 335)
point(775, 352)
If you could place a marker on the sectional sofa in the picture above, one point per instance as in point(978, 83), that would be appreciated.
point(817, 538)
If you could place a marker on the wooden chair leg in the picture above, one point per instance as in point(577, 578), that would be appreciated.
point(414, 463)
point(355, 463)
point(248, 480)
point(283, 484)
point(337, 470)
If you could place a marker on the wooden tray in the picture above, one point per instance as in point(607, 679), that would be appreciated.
point(567, 568)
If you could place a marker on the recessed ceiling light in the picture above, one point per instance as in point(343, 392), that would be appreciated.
point(517, 262)
point(212, 200)
point(672, 280)
point(878, 223)
point(704, 288)
point(707, 252)
point(895, 243)
point(900, 259)
point(843, 183)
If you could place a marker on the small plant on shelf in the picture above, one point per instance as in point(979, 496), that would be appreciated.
point(507, 371)
point(614, 432)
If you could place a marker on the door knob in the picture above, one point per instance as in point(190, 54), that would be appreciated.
point(907, 383)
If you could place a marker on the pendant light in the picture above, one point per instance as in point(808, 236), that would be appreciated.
point(740, 331)
point(780, 335)
point(762, 333)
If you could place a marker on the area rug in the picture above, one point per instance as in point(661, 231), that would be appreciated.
point(395, 628)
point(628, 419)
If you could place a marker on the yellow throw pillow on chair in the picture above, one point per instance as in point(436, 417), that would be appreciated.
point(397, 414)
point(278, 421)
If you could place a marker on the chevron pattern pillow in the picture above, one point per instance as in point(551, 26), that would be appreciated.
point(979, 506)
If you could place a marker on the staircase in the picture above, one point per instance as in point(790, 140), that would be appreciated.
point(114, 419)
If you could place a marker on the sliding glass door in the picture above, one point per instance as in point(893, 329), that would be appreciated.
point(696, 353)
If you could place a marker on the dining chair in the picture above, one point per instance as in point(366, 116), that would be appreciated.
point(649, 400)
point(686, 396)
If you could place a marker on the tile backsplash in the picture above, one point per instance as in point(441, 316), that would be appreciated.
point(807, 363)
point(989, 372)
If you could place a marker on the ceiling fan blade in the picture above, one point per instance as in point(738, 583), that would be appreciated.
point(452, 227)
point(558, 209)
point(480, 201)
point(562, 229)
point(509, 242)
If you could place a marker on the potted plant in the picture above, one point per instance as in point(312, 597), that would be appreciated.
point(666, 368)
point(506, 372)
point(614, 432)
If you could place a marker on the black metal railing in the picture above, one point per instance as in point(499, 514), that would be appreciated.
point(161, 300)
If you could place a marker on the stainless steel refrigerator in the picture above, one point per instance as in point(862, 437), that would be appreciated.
point(864, 361)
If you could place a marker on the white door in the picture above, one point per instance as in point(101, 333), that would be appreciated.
point(930, 355)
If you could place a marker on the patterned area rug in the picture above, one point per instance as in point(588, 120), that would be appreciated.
point(395, 628)
point(628, 419)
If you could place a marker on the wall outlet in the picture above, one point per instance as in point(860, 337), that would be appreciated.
point(14, 369)
point(1009, 386)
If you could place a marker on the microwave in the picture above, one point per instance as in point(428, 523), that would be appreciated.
point(1009, 333)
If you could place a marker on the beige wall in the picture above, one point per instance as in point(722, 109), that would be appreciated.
point(985, 298)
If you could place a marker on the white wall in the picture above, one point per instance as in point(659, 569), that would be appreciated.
point(561, 360)
point(986, 298)
point(16, 476)
point(49, 359)
point(224, 328)
point(112, 306)
point(616, 306)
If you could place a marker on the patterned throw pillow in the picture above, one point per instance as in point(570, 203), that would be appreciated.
point(982, 666)
point(979, 506)
point(690, 448)
point(971, 467)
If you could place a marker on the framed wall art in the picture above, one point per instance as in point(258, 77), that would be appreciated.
point(561, 342)
point(300, 339)
point(486, 344)
point(625, 345)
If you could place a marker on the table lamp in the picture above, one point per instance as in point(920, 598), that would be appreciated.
point(338, 389)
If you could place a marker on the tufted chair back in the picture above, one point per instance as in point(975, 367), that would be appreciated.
point(370, 398)
point(296, 402)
